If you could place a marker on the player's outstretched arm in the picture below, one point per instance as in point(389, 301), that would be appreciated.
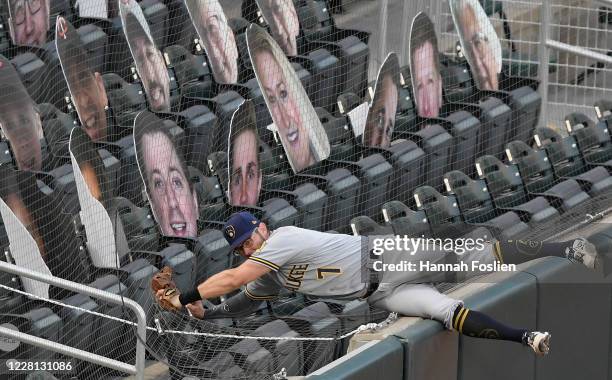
point(231, 279)
point(237, 306)
point(218, 285)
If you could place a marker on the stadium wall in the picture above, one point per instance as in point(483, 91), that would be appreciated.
point(546, 294)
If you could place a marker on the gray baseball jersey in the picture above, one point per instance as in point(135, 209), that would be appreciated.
point(310, 262)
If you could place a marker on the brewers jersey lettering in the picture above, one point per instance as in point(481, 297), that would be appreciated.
point(309, 262)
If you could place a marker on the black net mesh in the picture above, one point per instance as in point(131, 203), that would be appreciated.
point(132, 130)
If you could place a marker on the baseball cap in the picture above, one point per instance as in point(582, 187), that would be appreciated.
point(239, 227)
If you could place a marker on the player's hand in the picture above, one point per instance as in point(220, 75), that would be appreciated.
point(196, 309)
point(169, 299)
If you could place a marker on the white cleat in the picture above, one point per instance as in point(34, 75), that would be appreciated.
point(583, 252)
point(538, 341)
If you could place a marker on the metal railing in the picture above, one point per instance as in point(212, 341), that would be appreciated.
point(546, 44)
point(137, 369)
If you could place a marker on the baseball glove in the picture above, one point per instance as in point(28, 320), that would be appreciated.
point(164, 300)
point(162, 280)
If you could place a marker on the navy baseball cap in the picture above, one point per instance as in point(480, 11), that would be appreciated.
point(239, 227)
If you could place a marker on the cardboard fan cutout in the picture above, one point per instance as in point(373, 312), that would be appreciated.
point(105, 239)
point(86, 87)
point(29, 22)
point(299, 128)
point(381, 115)
point(149, 60)
point(425, 67)
point(21, 220)
point(216, 37)
point(164, 172)
point(284, 24)
point(19, 119)
point(479, 42)
point(244, 173)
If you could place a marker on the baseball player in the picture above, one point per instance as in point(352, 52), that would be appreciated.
point(323, 265)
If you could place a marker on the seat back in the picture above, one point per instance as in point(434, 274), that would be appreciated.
point(593, 138)
point(472, 197)
point(404, 220)
point(534, 166)
point(503, 181)
point(562, 152)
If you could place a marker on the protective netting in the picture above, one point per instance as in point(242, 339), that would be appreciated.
point(132, 130)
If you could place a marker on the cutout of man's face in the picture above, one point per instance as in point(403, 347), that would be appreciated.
point(91, 101)
point(86, 87)
point(245, 173)
point(284, 24)
point(153, 73)
point(478, 48)
point(427, 80)
point(29, 21)
point(23, 129)
point(284, 110)
point(218, 39)
point(381, 117)
point(174, 204)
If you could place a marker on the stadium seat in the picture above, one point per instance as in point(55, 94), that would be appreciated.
point(192, 72)
point(199, 125)
point(370, 166)
point(40, 322)
point(350, 46)
point(518, 94)
point(456, 119)
point(156, 14)
point(121, 349)
point(443, 214)
point(404, 220)
point(343, 190)
point(79, 326)
point(215, 254)
point(124, 100)
point(321, 322)
point(593, 139)
point(56, 127)
point(567, 162)
point(138, 225)
point(405, 156)
point(538, 177)
point(477, 207)
point(252, 357)
point(288, 354)
point(364, 225)
point(95, 42)
point(508, 193)
point(438, 146)
point(32, 71)
point(180, 28)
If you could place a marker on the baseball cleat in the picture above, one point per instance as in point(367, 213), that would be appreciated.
point(584, 252)
point(538, 341)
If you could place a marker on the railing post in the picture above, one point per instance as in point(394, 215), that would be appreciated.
point(137, 369)
point(544, 58)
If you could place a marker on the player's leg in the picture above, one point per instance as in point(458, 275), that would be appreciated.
point(421, 300)
point(479, 325)
point(578, 250)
